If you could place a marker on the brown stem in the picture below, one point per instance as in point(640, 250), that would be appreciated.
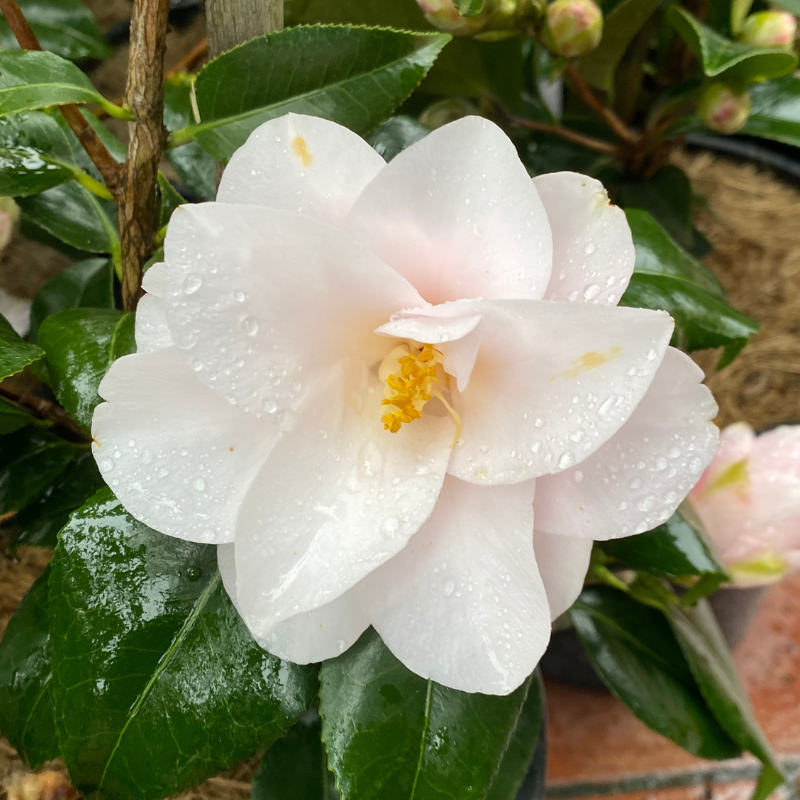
point(606, 114)
point(191, 61)
point(45, 409)
point(231, 22)
point(89, 140)
point(145, 95)
point(564, 133)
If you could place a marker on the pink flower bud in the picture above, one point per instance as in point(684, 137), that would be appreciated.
point(573, 27)
point(442, 14)
point(723, 109)
point(770, 29)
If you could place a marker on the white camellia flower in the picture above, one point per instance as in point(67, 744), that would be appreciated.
point(401, 395)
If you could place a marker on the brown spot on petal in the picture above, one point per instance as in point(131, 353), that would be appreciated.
point(300, 149)
point(589, 360)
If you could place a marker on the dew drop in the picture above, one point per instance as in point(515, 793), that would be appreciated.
point(590, 248)
point(239, 296)
point(199, 485)
point(390, 527)
point(249, 325)
point(577, 476)
point(270, 406)
point(449, 588)
point(192, 284)
point(566, 460)
point(591, 291)
point(106, 465)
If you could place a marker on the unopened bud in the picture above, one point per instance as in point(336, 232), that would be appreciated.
point(723, 109)
point(573, 27)
point(447, 110)
point(770, 29)
point(442, 14)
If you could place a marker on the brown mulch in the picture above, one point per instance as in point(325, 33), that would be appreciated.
point(751, 218)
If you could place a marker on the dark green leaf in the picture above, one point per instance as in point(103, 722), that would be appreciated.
point(157, 683)
point(469, 8)
point(38, 524)
point(85, 284)
point(775, 112)
point(15, 354)
point(635, 653)
point(64, 27)
point(26, 698)
point(32, 79)
point(721, 56)
point(391, 734)
point(789, 5)
point(674, 549)
point(81, 345)
point(524, 741)
point(296, 767)
point(355, 76)
point(168, 200)
point(13, 417)
point(396, 134)
point(30, 460)
point(402, 14)
point(619, 29)
point(706, 651)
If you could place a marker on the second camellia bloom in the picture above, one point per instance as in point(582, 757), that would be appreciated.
point(401, 395)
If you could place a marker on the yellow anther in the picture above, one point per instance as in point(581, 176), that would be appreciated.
point(412, 388)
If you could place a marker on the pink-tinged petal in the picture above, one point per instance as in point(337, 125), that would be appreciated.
point(178, 456)
point(552, 383)
point(306, 638)
point(154, 280)
point(735, 445)
point(774, 470)
point(593, 253)
point(463, 603)
point(639, 477)
point(301, 163)
point(260, 301)
point(337, 498)
point(457, 214)
point(563, 562)
point(152, 332)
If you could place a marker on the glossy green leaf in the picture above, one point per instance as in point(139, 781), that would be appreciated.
point(620, 27)
point(354, 76)
point(469, 8)
point(157, 683)
point(15, 353)
point(80, 346)
point(169, 198)
point(26, 698)
point(30, 460)
point(296, 767)
point(85, 284)
point(789, 5)
point(195, 167)
point(31, 79)
point(703, 644)
point(674, 549)
point(397, 133)
point(13, 417)
point(775, 111)
point(400, 14)
point(517, 759)
point(38, 524)
point(391, 734)
point(64, 27)
point(635, 653)
point(721, 56)
point(666, 277)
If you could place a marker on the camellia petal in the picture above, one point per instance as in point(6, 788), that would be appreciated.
point(152, 332)
point(563, 562)
point(457, 214)
point(178, 456)
point(339, 496)
point(637, 479)
point(288, 295)
point(552, 383)
point(301, 163)
point(593, 253)
point(463, 603)
point(154, 279)
point(306, 638)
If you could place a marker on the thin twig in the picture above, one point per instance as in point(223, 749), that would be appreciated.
point(606, 114)
point(89, 140)
point(191, 61)
point(145, 94)
point(564, 133)
point(49, 411)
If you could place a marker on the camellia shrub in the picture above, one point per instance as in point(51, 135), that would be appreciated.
point(371, 363)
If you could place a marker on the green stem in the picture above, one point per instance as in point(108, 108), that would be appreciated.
point(180, 137)
point(118, 112)
point(94, 186)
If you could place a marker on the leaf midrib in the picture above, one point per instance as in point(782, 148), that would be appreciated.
point(423, 739)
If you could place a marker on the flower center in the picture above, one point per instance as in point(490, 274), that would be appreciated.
point(410, 383)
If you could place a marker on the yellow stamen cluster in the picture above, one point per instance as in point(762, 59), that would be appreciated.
point(412, 387)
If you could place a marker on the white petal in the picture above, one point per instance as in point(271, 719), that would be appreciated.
point(563, 562)
point(338, 497)
point(463, 603)
point(286, 295)
point(300, 163)
point(552, 383)
point(639, 477)
point(154, 280)
point(152, 332)
point(178, 456)
point(457, 214)
point(307, 638)
point(593, 253)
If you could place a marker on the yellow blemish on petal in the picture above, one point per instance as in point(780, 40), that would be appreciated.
point(300, 149)
point(733, 477)
point(588, 361)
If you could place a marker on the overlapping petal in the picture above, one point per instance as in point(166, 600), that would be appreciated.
point(463, 603)
point(563, 562)
point(457, 214)
point(178, 456)
point(152, 332)
point(301, 163)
